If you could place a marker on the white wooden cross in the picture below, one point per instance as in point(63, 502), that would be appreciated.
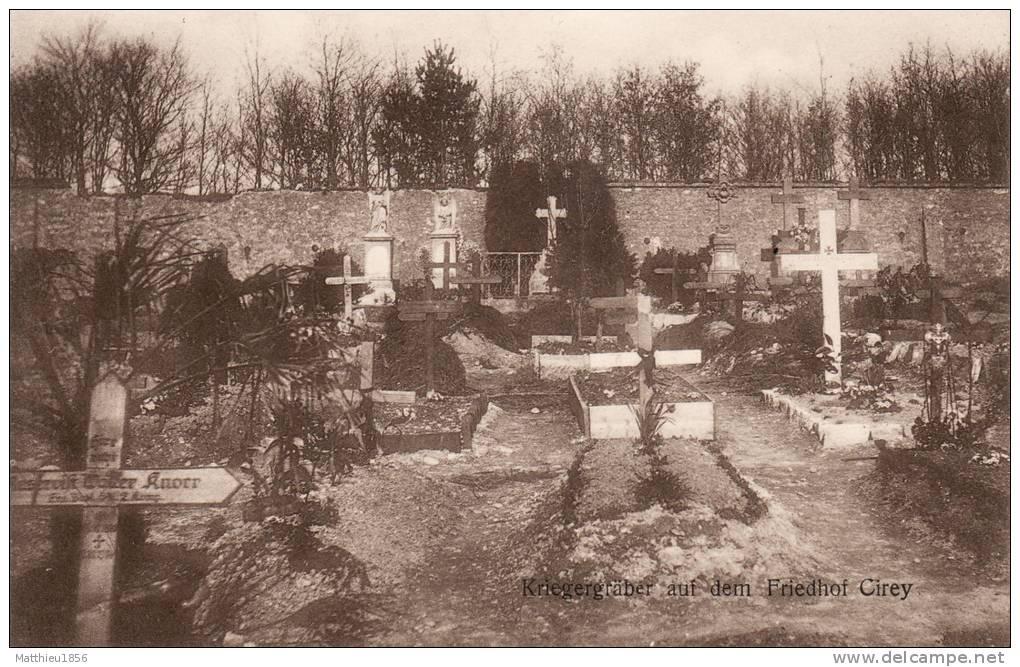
point(550, 215)
point(347, 280)
point(829, 263)
point(100, 490)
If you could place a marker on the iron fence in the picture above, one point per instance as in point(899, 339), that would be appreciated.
point(515, 268)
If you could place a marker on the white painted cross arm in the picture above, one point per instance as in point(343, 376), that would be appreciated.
point(855, 261)
point(181, 486)
point(662, 358)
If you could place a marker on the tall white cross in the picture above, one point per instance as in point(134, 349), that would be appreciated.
point(550, 215)
point(829, 263)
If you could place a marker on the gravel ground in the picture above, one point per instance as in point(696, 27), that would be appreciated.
point(445, 544)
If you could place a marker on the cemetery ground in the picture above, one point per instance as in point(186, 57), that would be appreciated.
point(434, 548)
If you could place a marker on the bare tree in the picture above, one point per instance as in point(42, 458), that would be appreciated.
point(989, 92)
point(74, 62)
point(553, 102)
point(153, 88)
point(254, 117)
point(501, 120)
point(186, 169)
point(815, 131)
point(365, 93)
point(204, 139)
point(39, 123)
point(291, 131)
point(760, 131)
point(331, 74)
point(634, 90)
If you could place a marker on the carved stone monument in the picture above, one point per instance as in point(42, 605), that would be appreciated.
point(725, 265)
point(538, 283)
point(379, 252)
point(444, 231)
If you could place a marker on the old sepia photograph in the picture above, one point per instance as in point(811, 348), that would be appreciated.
point(510, 328)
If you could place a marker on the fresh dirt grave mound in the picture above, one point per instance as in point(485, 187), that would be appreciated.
point(947, 495)
point(581, 347)
point(610, 471)
point(487, 323)
point(400, 361)
point(554, 318)
point(326, 580)
point(475, 349)
point(720, 527)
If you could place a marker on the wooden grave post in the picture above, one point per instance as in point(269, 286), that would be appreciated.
point(101, 489)
point(854, 194)
point(347, 280)
point(636, 313)
point(475, 279)
point(446, 266)
point(786, 199)
point(829, 263)
point(675, 272)
point(643, 341)
point(428, 311)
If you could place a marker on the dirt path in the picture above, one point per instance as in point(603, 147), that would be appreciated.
point(855, 542)
point(462, 596)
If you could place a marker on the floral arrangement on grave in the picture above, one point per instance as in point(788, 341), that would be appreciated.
point(869, 389)
point(942, 425)
point(802, 233)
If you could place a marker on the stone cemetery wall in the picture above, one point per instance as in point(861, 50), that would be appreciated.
point(968, 227)
point(257, 227)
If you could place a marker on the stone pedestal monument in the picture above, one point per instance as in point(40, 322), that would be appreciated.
point(725, 265)
point(379, 252)
point(444, 230)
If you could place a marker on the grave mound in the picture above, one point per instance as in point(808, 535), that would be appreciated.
point(553, 318)
point(951, 495)
point(719, 528)
point(488, 323)
point(400, 361)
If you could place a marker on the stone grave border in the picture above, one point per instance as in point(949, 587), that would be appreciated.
point(562, 365)
point(847, 435)
point(454, 441)
point(683, 419)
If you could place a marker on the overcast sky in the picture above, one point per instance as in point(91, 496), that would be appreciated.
point(779, 48)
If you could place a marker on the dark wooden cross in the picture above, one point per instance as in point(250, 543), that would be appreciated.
point(476, 280)
point(853, 195)
point(446, 265)
point(428, 311)
point(347, 280)
point(675, 272)
point(786, 199)
point(732, 295)
point(101, 489)
point(636, 313)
